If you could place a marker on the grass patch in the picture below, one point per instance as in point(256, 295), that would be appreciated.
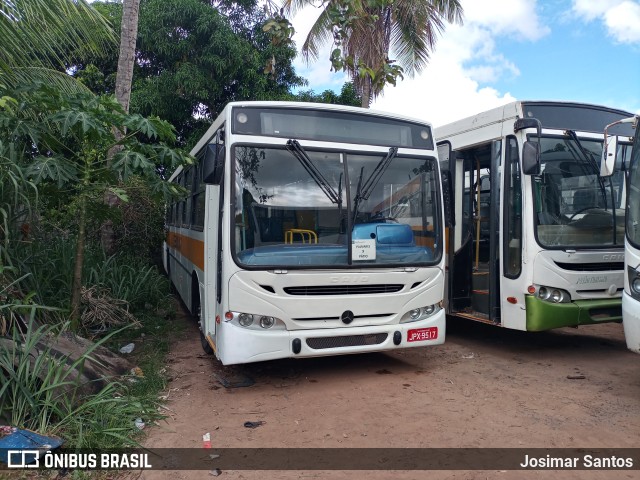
point(49, 264)
point(37, 390)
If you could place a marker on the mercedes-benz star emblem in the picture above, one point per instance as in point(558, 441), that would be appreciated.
point(347, 316)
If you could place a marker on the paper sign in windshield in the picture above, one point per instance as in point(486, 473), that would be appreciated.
point(362, 250)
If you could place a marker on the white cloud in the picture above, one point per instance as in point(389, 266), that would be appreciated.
point(516, 18)
point(455, 82)
point(318, 71)
point(620, 17)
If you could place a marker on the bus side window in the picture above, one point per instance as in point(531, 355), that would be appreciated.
point(186, 209)
point(198, 199)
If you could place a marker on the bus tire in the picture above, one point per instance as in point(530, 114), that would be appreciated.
point(206, 346)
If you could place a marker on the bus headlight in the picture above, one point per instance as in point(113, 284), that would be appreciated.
point(429, 310)
point(553, 295)
point(245, 319)
point(254, 321)
point(267, 322)
point(544, 293)
point(634, 282)
point(419, 313)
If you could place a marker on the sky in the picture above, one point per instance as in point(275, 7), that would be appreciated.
point(570, 50)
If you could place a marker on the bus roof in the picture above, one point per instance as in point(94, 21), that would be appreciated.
point(319, 106)
point(496, 122)
point(225, 115)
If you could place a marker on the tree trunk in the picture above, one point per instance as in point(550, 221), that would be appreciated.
point(77, 270)
point(124, 78)
point(366, 93)
point(127, 58)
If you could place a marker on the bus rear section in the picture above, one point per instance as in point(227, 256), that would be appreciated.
point(322, 233)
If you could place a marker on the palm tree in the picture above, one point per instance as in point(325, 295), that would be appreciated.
point(39, 37)
point(127, 57)
point(367, 35)
point(124, 78)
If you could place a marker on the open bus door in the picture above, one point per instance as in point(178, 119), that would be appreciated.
point(473, 249)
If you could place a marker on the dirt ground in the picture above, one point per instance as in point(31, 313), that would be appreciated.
point(485, 387)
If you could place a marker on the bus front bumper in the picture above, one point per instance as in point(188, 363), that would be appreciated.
point(631, 322)
point(543, 315)
point(242, 345)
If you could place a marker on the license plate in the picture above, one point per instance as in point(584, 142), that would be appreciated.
point(420, 334)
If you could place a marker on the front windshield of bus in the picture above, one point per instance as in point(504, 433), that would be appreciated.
point(633, 209)
point(574, 206)
point(292, 208)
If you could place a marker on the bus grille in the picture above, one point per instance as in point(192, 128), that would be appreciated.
point(343, 289)
point(592, 267)
point(346, 341)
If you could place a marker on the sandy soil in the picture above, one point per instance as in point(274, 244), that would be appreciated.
point(485, 387)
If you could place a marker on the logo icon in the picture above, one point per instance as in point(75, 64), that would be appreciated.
point(347, 317)
point(23, 458)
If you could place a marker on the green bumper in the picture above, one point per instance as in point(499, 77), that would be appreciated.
point(543, 315)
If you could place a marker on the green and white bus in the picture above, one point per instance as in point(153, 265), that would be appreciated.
point(310, 230)
point(535, 233)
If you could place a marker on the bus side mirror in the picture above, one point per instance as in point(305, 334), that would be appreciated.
point(531, 158)
point(213, 164)
point(610, 147)
point(608, 160)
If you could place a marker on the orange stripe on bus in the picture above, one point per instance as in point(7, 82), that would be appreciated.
point(189, 247)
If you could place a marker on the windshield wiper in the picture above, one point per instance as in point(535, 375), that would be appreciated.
point(297, 151)
point(364, 189)
point(585, 154)
point(603, 191)
point(592, 162)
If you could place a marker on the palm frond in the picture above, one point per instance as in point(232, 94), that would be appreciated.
point(414, 34)
point(46, 32)
point(291, 7)
point(450, 10)
point(33, 75)
point(318, 36)
point(408, 28)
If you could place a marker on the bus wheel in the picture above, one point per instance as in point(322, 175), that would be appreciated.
point(206, 346)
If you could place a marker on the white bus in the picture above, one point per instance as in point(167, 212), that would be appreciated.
point(310, 230)
point(631, 294)
point(535, 234)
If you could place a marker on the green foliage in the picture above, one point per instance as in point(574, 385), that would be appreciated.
point(131, 279)
point(72, 27)
point(16, 195)
point(348, 96)
point(364, 32)
point(49, 264)
point(36, 387)
point(71, 138)
point(40, 391)
point(139, 228)
point(193, 57)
